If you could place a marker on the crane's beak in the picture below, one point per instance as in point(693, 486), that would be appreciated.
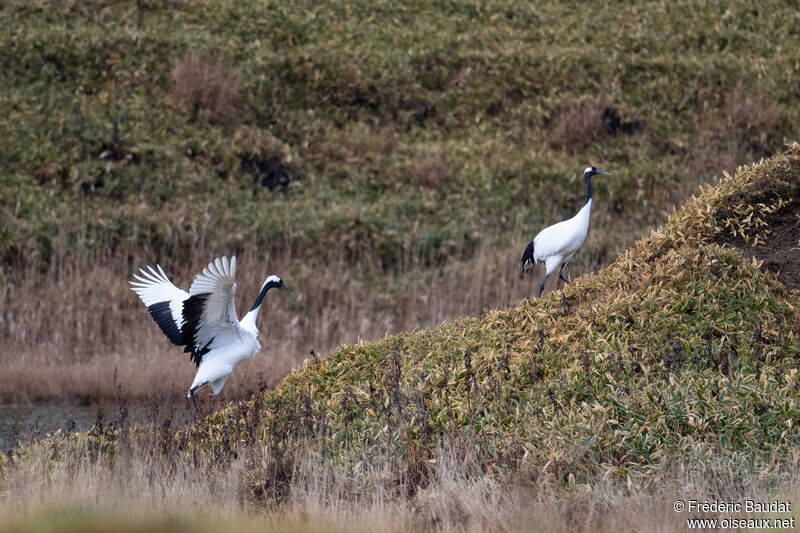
point(287, 289)
point(604, 172)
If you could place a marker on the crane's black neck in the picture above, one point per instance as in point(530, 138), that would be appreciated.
point(588, 178)
point(267, 286)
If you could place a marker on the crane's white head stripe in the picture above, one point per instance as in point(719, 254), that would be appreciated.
point(273, 277)
point(588, 169)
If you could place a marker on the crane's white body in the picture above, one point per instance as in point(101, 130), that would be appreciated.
point(223, 357)
point(204, 319)
point(555, 245)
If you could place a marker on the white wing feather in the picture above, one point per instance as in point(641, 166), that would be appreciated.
point(218, 318)
point(154, 287)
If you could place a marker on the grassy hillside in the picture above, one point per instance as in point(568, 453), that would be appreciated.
point(380, 157)
point(372, 130)
point(681, 350)
point(673, 370)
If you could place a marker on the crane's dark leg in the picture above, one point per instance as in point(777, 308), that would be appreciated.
point(194, 401)
point(561, 275)
point(541, 287)
point(191, 395)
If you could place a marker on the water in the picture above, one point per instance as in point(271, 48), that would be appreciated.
point(17, 422)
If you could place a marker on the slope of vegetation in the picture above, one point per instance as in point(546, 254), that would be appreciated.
point(681, 350)
point(677, 362)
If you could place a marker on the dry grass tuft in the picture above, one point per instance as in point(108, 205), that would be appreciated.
point(355, 145)
point(206, 89)
point(578, 125)
point(150, 479)
point(431, 172)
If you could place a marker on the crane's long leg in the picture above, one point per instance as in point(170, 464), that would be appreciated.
point(194, 401)
point(191, 395)
point(541, 287)
point(560, 273)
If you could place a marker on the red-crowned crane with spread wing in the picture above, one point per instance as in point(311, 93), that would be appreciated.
point(204, 319)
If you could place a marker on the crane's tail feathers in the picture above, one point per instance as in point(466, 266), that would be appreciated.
point(527, 259)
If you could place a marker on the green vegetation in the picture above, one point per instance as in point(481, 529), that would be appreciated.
point(681, 350)
point(398, 133)
point(382, 142)
point(681, 353)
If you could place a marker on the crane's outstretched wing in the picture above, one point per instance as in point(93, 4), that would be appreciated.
point(210, 313)
point(164, 301)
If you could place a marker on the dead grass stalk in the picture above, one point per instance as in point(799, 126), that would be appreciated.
point(206, 88)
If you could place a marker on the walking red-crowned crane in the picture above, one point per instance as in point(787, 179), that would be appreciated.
point(556, 244)
point(204, 319)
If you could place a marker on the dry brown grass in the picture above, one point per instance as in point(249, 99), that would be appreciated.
point(578, 125)
point(143, 488)
point(431, 172)
point(723, 156)
point(65, 333)
point(205, 88)
point(148, 486)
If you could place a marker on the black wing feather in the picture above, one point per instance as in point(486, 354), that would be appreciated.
point(162, 314)
point(192, 312)
point(527, 258)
